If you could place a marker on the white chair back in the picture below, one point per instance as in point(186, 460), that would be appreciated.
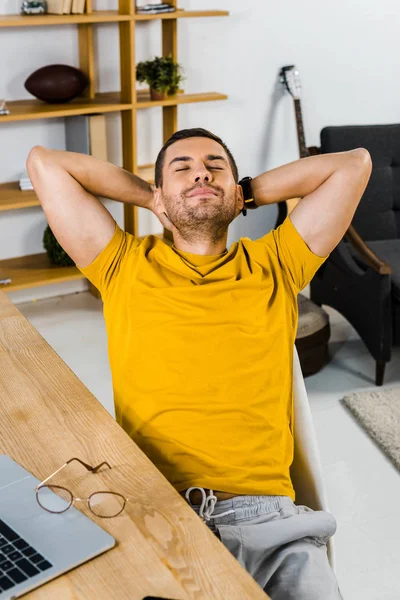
point(306, 471)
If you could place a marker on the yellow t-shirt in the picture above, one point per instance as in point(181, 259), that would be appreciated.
point(201, 355)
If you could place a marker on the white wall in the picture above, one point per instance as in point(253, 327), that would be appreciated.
point(347, 55)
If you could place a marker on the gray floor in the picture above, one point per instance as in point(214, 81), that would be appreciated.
point(362, 485)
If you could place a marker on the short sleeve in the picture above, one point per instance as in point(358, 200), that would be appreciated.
point(296, 259)
point(104, 269)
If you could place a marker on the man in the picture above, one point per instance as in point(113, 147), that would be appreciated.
point(201, 337)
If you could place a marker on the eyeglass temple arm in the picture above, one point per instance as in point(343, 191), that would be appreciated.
point(88, 467)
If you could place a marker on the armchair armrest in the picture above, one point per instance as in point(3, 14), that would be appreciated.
point(369, 257)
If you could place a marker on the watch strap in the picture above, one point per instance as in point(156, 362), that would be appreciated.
point(249, 203)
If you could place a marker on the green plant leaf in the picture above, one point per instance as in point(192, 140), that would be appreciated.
point(161, 74)
point(55, 252)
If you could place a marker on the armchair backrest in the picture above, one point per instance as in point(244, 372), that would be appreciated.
point(306, 471)
point(378, 215)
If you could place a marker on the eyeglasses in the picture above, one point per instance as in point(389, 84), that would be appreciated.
point(57, 499)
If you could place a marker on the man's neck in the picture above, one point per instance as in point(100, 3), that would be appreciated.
point(202, 247)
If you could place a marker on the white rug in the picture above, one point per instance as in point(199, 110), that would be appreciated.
point(378, 412)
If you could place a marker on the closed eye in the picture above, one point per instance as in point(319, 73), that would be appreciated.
point(211, 168)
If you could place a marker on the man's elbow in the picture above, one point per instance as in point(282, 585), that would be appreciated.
point(35, 158)
point(359, 167)
point(363, 158)
point(35, 155)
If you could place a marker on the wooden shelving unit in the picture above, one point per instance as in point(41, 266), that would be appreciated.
point(12, 198)
point(181, 14)
point(98, 16)
point(101, 16)
point(27, 110)
point(35, 270)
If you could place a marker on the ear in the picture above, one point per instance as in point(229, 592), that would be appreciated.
point(239, 198)
point(158, 201)
point(160, 211)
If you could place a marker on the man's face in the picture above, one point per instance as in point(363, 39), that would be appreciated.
point(199, 193)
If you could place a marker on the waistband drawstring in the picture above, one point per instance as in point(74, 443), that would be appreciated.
point(207, 504)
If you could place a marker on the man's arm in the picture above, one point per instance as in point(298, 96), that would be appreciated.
point(67, 184)
point(330, 185)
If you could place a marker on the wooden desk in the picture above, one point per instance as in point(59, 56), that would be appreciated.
point(163, 548)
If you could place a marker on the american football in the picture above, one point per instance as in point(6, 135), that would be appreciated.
point(56, 83)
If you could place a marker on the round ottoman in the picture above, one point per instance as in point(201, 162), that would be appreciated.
point(313, 333)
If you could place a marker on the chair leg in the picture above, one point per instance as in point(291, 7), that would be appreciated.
point(380, 372)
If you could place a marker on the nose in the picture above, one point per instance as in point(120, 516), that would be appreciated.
point(202, 174)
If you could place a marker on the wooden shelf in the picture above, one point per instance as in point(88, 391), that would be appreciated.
point(99, 16)
point(179, 14)
point(11, 197)
point(34, 270)
point(25, 110)
point(144, 101)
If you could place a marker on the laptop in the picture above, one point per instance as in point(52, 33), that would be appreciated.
point(35, 545)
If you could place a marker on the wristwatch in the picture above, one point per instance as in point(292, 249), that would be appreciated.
point(247, 195)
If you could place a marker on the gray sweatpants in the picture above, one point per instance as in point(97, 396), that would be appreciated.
point(282, 545)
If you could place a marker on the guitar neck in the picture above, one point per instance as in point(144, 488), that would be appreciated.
point(300, 129)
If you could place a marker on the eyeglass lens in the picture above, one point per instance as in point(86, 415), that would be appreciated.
point(106, 504)
point(54, 498)
point(57, 499)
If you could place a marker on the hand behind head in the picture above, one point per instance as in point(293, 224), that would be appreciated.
point(160, 214)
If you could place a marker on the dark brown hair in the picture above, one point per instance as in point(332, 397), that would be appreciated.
point(183, 134)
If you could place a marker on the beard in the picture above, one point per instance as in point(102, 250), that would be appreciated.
point(198, 220)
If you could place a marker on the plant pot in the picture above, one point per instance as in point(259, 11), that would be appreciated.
point(157, 95)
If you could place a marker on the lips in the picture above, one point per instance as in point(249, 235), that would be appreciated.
point(202, 192)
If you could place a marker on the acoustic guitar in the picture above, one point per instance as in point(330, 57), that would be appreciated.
point(290, 78)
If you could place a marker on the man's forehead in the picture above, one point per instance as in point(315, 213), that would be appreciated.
point(196, 147)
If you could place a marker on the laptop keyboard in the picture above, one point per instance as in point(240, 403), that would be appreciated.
point(18, 560)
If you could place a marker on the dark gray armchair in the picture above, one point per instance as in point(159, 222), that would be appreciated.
point(361, 277)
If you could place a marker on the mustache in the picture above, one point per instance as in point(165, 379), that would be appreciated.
point(216, 188)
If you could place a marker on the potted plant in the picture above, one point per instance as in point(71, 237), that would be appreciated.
point(162, 74)
point(55, 252)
